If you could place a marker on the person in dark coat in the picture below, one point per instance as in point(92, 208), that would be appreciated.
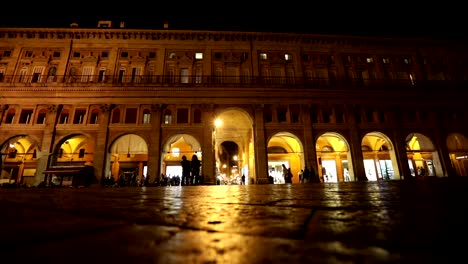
point(185, 170)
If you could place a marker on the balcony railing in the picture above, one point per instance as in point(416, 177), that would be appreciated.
point(228, 81)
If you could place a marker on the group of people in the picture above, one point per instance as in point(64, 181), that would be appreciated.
point(190, 171)
point(308, 175)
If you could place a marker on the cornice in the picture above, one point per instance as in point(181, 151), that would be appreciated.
point(206, 36)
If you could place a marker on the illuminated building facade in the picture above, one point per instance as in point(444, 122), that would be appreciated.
point(132, 102)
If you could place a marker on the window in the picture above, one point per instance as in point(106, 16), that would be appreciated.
point(101, 75)
point(287, 57)
point(105, 54)
point(199, 56)
point(121, 75)
point(87, 74)
point(263, 56)
point(281, 114)
point(172, 55)
point(6, 53)
point(56, 54)
point(79, 116)
point(76, 54)
point(124, 54)
point(94, 116)
point(116, 116)
point(25, 116)
point(197, 116)
point(182, 116)
point(37, 74)
point(28, 54)
point(10, 117)
point(131, 115)
point(218, 55)
point(305, 57)
point(385, 60)
point(64, 117)
point(167, 117)
point(41, 117)
point(146, 116)
point(152, 55)
point(184, 75)
point(369, 60)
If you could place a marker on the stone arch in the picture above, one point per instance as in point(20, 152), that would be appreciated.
point(423, 158)
point(334, 158)
point(129, 159)
point(175, 147)
point(236, 125)
point(380, 161)
point(285, 148)
point(457, 145)
point(18, 163)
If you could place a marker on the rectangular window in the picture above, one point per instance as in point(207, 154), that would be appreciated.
point(184, 76)
point(79, 116)
point(25, 116)
point(131, 115)
point(94, 118)
point(146, 118)
point(281, 114)
point(182, 116)
point(287, 57)
point(263, 56)
point(199, 56)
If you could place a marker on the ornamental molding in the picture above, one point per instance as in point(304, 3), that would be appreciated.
point(325, 41)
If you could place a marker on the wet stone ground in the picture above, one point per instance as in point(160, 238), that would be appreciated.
point(423, 221)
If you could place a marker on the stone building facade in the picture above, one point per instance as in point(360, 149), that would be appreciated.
point(131, 102)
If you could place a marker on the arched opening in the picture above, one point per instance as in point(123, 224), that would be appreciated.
point(457, 145)
point(129, 158)
point(175, 148)
point(18, 165)
point(235, 126)
point(380, 161)
point(284, 149)
point(71, 155)
point(229, 170)
point(334, 158)
point(423, 158)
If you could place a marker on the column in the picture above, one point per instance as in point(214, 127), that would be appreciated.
point(154, 149)
point(310, 154)
point(44, 157)
point(355, 145)
point(261, 155)
point(208, 154)
point(101, 163)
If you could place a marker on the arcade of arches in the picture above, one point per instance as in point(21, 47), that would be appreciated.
point(234, 147)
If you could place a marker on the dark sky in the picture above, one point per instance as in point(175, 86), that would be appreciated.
point(390, 19)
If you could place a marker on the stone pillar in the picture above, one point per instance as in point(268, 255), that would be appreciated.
point(154, 150)
point(310, 153)
point(444, 154)
point(356, 150)
point(100, 160)
point(208, 154)
point(261, 155)
point(399, 140)
point(44, 156)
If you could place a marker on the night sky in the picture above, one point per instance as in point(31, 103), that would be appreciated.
point(387, 19)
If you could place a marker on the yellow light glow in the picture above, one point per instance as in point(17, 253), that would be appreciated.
point(218, 122)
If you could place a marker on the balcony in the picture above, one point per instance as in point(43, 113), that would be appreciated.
point(224, 82)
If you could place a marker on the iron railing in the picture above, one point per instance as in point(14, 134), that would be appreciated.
point(236, 81)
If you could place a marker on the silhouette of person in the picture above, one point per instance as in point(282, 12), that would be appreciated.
point(185, 170)
point(195, 168)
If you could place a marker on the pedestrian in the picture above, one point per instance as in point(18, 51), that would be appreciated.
point(195, 169)
point(185, 171)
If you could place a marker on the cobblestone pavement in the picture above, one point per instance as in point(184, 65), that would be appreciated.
point(389, 222)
